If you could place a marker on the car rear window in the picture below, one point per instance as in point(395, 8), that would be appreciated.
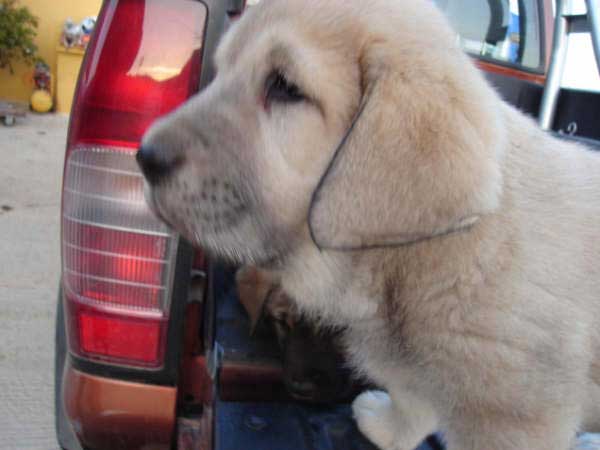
point(507, 31)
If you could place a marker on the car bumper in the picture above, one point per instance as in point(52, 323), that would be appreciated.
point(109, 413)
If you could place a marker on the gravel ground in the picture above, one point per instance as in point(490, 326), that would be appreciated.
point(30, 179)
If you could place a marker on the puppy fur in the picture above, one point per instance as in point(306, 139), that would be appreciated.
point(484, 321)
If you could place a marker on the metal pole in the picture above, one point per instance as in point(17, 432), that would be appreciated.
point(557, 64)
point(593, 14)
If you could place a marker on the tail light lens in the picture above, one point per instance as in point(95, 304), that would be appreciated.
point(118, 260)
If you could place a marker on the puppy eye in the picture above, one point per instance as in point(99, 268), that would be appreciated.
point(282, 321)
point(279, 89)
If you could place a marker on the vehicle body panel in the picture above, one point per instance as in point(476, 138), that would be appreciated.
point(101, 408)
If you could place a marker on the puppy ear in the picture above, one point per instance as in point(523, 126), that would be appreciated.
point(281, 307)
point(420, 159)
point(254, 287)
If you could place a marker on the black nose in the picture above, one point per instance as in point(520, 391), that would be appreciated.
point(302, 388)
point(156, 164)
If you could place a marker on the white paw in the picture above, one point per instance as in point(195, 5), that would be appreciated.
point(374, 415)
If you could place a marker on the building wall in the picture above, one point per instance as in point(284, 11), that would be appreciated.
point(51, 15)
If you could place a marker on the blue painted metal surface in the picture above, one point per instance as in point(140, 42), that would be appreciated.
point(286, 426)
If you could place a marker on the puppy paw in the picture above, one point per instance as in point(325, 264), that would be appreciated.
point(374, 415)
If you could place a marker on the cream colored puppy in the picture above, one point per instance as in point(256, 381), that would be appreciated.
point(352, 148)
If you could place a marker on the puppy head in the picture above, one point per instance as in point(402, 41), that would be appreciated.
point(360, 123)
point(314, 368)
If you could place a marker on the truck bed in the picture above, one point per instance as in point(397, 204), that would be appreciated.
point(252, 409)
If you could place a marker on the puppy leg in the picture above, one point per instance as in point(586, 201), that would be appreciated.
point(375, 417)
point(400, 423)
point(469, 432)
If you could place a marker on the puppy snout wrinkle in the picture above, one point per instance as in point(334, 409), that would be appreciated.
point(157, 164)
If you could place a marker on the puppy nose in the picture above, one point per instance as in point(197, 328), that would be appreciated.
point(302, 387)
point(155, 164)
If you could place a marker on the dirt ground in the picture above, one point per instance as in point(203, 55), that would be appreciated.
point(32, 154)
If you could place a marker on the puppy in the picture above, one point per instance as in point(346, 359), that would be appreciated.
point(314, 367)
point(352, 147)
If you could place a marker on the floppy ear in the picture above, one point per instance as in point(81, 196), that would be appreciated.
point(420, 159)
point(254, 287)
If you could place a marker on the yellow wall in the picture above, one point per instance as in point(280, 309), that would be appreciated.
point(51, 15)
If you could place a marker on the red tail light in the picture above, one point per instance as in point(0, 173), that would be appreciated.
point(118, 260)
